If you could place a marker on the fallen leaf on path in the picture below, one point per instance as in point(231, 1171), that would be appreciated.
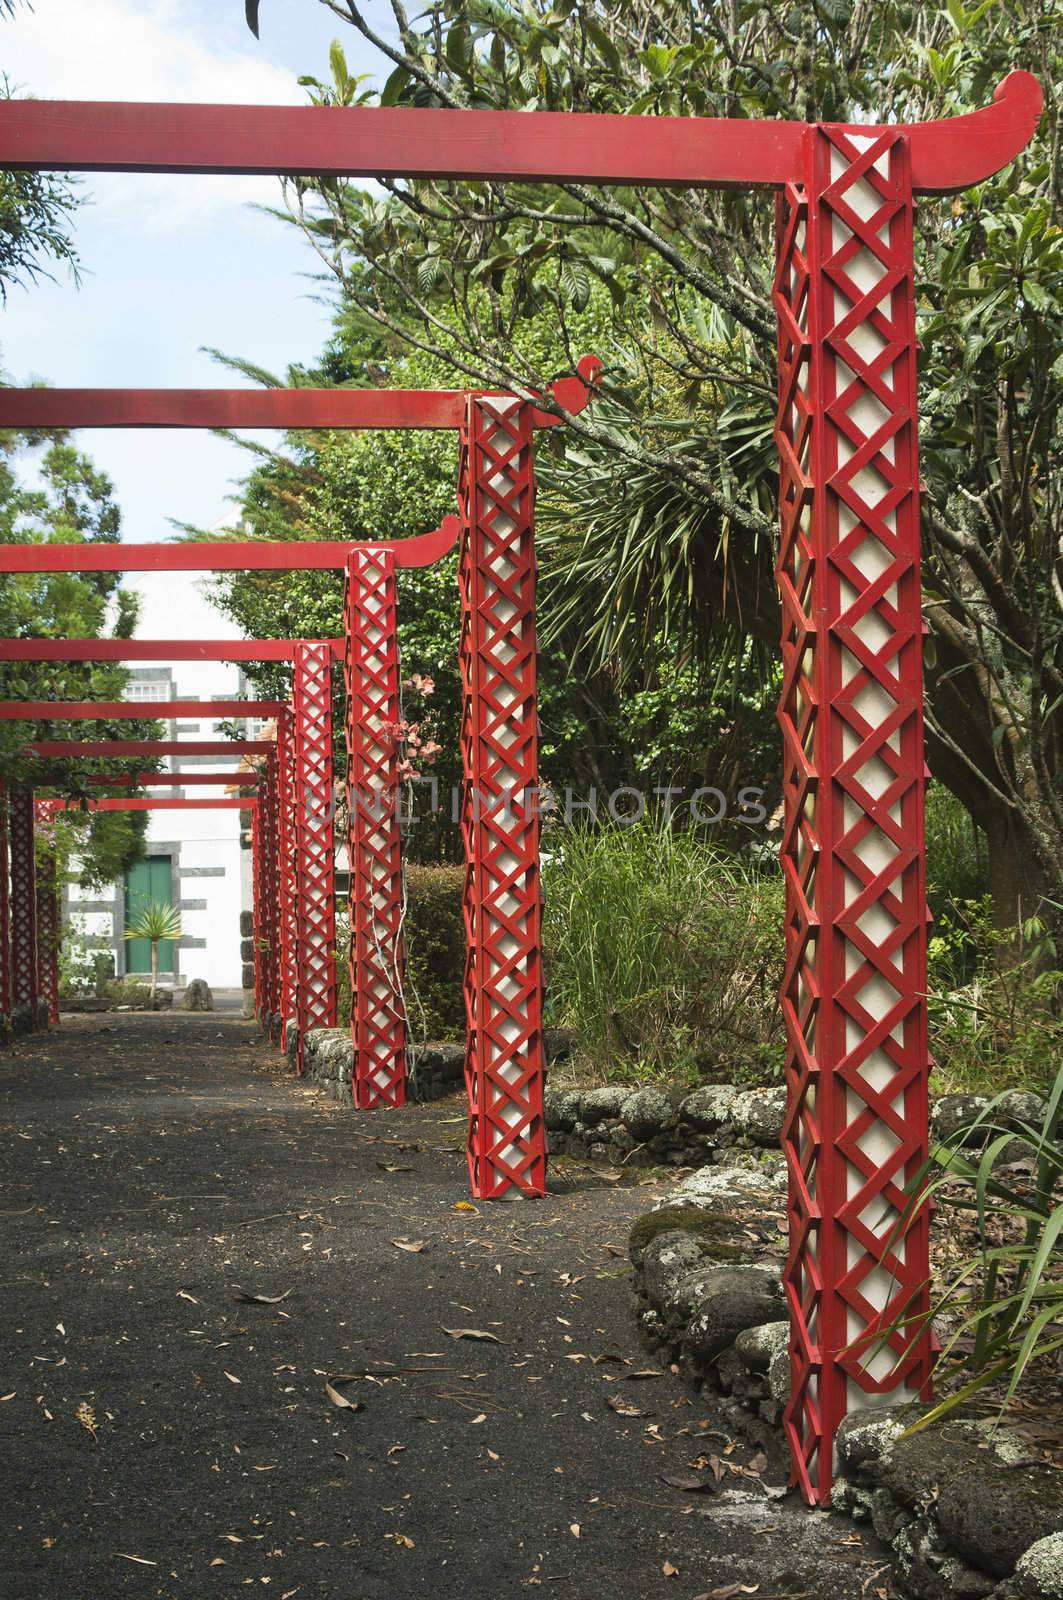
point(87, 1417)
point(465, 1205)
point(341, 1402)
point(218, 1562)
point(729, 1591)
point(231, 1378)
point(183, 1294)
point(473, 1333)
point(481, 1418)
point(140, 1561)
point(403, 1539)
point(690, 1485)
point(574, 1529)
point(412, 1246)
point(246, 1298)
point(387, 1167)
point(10, 1396)
point(644, 1372)
point(622, 1407)
point(670, 1571)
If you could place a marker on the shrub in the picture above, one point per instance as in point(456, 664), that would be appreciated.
point(435, 952)
point(664, 953)
point(994, 999)
point(1002, 1297)
point(435, 955)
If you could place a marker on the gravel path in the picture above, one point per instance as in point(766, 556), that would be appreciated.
point(163, 1437)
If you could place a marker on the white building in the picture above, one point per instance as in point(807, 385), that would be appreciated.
point(194, 858)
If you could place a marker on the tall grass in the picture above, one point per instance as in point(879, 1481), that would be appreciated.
point(663, 952)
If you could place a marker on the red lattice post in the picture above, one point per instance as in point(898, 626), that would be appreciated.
point(287, 899)
point(23, 903)
point(853, 846)
point(500, 813)
point(5, 924)
point(378, 1014)
point(315, 805)
point(48, 932)
point(259, 900)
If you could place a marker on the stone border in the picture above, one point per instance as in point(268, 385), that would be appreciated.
point(966, 1512)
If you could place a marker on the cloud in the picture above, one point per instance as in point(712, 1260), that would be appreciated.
point(149, 50)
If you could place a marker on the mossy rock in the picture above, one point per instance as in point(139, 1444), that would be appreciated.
point(718, 1235)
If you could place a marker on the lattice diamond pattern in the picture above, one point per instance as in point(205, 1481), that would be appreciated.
point(287, 874)
point(5, 920)
point(48, 934)
point(851, 717)
point(378, 1013)
point(315, 964)
point(23, 900)
point(500, 818)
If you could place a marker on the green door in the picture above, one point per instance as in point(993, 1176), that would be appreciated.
point(148, 880)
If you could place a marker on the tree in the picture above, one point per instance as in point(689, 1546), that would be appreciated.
point(51, 492)
point(155, 922)
point(683, 724)
point(35, 212)
point(675, 467)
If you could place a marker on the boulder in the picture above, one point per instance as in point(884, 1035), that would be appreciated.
point(1018, 1107)
point(988, 1512)
point(197, 996)
point(1039, 1570)
point(757, 1347)
point(668, 1259)
point(954, 1112)
point(646, 1113)
point(710, 1107)
point(596, 1105)
point(726, 1189)
point(726, 1300)
point(561, 1109)
point(759, 1114)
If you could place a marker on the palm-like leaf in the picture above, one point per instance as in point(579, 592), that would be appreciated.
point(156, 920)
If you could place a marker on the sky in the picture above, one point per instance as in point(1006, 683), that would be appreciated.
point(171, 264)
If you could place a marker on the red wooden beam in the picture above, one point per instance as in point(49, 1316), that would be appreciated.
point(152, 803)
point(327, 141)
point(282, 408)
point(146, 710)
point(149, 747)
point(152, 649)
point(202, 555)
point(171, 780)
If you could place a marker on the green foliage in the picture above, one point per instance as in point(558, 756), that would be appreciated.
point(994, 998)
point(35, 213)
point(956, 854)
point(663, 953)
point(155, 921)
point(1003, 1299)
point(435, 952)
point(50, 492)
point(658, 523)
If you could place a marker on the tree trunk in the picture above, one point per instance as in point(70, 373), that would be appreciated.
point(1017, 881)
point(154, 971)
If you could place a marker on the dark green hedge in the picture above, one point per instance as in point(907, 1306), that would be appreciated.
point(435, 952)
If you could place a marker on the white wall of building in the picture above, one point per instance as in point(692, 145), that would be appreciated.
point(211, 875)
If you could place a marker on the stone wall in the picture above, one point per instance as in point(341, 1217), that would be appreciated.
point(970, 1512)
point(662, 1126)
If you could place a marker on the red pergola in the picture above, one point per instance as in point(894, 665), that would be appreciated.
point(134, 710)
point(854, 994)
